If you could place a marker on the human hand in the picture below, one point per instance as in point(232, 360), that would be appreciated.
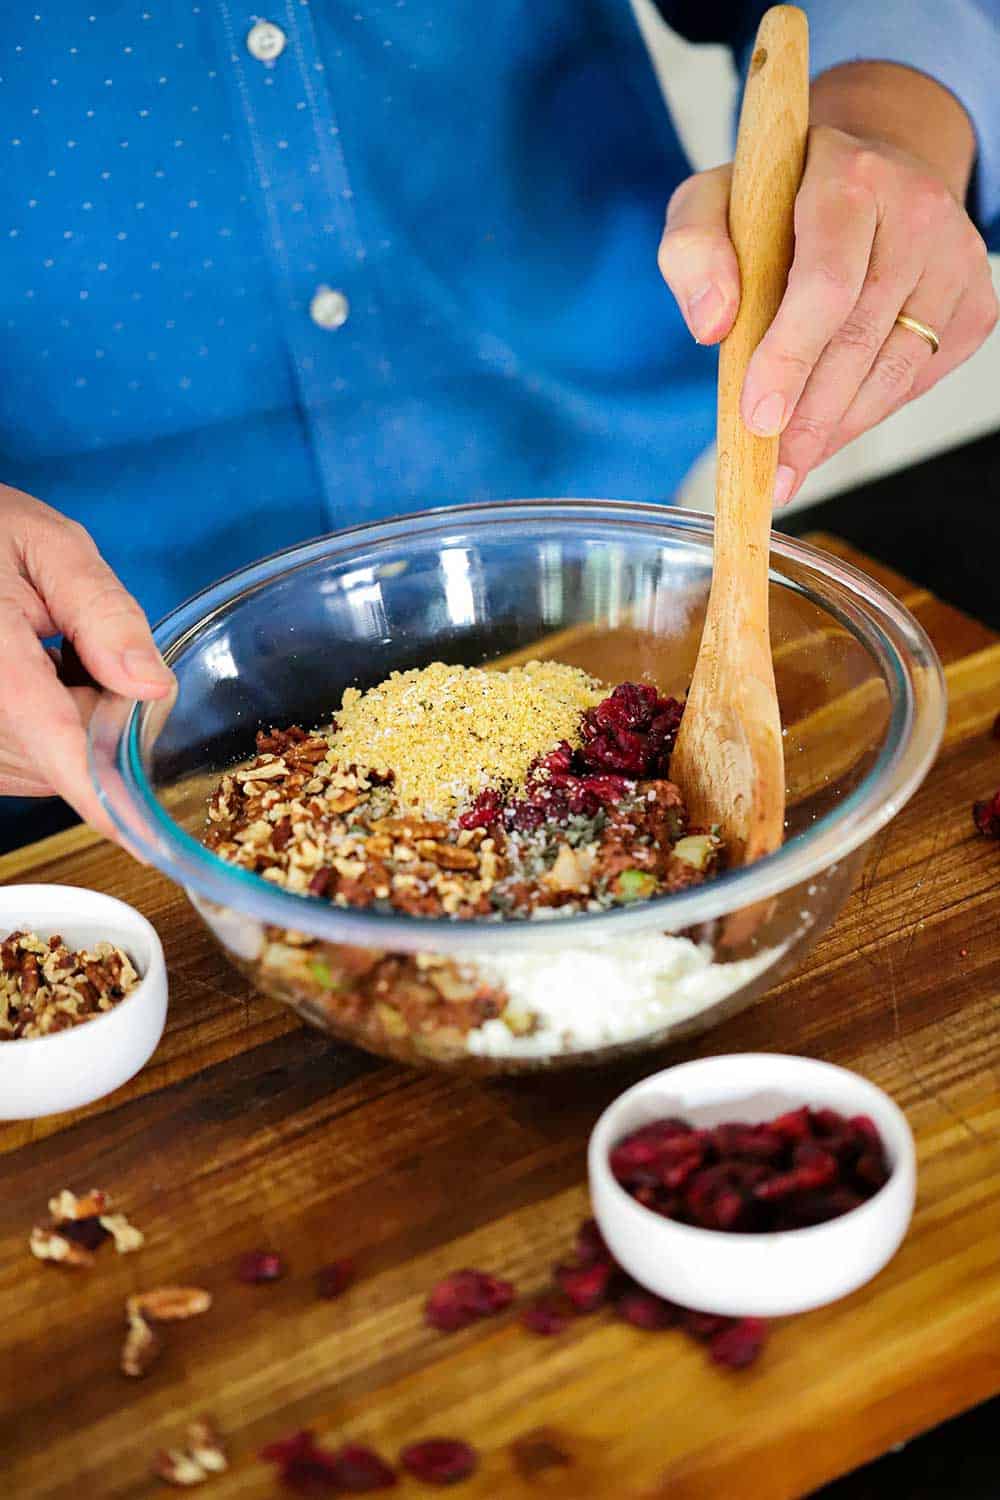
point(878, 231)
point(53, 580)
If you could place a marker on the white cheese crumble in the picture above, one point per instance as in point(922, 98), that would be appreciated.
point(603, 991)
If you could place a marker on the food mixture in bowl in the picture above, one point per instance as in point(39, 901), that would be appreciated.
point(458, 792)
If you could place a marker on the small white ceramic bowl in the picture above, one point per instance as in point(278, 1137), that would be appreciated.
point(767, 1275)
point(48, 1074)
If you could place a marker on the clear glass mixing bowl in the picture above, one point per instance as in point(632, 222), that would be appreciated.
point(616, 588)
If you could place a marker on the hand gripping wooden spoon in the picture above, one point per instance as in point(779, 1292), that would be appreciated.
point(728, 760)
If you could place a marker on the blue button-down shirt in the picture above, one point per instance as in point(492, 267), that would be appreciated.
point(390, 254)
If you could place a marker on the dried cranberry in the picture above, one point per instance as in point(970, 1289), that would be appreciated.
point(558, 762)
point(304, 1468)
point(820, 1207)
point(484, 811)
point(260, 1265)
point(631, 1156)
point(439, 1460)
point(662, 1142)
point(526, 816)
point(871, 1171)
point(360, 1471)
point(632, 732)
point(88, 1232)
point(632, 704)
point(681, 1172)
point(738, 1345)
point(592, 792)
point(644, 1310)
point(585, 1286)
point(751, 1142)
point(548, 1314)
point(793, 1126)
point(702, 1325)
point(283, 1450)
point(623, 753)
point(590, 1246)
point(864, 1126)
point(817, 1170)
point(723, 1197)
point(313, 1474)
point(803, 1168)
point(334, 1279)
point(986, 815)
point(825, 1122)
point(465, 1297)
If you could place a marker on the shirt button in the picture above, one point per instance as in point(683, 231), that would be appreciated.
point(329, 308)
point(265, 41)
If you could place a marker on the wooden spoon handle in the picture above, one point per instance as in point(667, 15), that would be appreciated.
point(770, 152)
point(728, 759)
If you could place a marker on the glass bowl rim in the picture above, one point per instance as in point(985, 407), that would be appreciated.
point(882, 624)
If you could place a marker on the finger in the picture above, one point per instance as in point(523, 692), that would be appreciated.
point(19, 773)
point(904, 358)
point(835, 224)
point(15, 784)
point(975, 318)
point(44, 720)
point(92, 609)
point(696, 256)
point(973, 321)
point(841, 368)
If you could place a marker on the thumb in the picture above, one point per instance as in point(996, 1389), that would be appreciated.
point(697, 259)
point(103, 625)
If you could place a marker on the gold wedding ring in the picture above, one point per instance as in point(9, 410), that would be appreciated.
point(905, 321)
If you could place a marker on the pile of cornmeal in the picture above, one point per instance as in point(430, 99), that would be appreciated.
point(448, 731)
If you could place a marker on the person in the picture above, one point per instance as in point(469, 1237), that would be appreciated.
point(269, 276)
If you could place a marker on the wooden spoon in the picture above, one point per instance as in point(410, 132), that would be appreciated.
point(728, 759)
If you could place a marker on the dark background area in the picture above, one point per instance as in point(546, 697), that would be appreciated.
point(939, 524)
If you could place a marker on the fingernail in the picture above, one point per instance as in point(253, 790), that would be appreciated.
point(146, 666)
point(784, 483)
point(768, 415)
point(704, 310)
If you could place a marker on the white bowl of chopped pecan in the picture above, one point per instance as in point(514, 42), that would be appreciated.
point(83, 997)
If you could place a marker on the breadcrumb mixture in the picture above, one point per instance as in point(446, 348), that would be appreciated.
point(449, 731)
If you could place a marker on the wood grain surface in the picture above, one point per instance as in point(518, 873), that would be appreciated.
point(248, 1130)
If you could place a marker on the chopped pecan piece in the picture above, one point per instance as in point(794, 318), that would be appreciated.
point(449, 857)
point(267, 772)
point(141, 1347)
point(48, 1244)
point(125, 1235)
point(169, 1304)
point(67, 1205)
point(205, 1446)
point(178, 1467)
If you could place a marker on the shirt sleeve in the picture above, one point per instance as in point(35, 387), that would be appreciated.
point(956, 42)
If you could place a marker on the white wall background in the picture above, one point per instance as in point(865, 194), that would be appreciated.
point(700, 87)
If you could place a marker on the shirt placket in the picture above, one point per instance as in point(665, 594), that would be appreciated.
point(327, 305)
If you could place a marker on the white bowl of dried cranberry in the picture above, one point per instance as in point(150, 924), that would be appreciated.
point(788, 1119)
point(109, 956)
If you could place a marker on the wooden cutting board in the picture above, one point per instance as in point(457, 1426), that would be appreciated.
point(248, 1130)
